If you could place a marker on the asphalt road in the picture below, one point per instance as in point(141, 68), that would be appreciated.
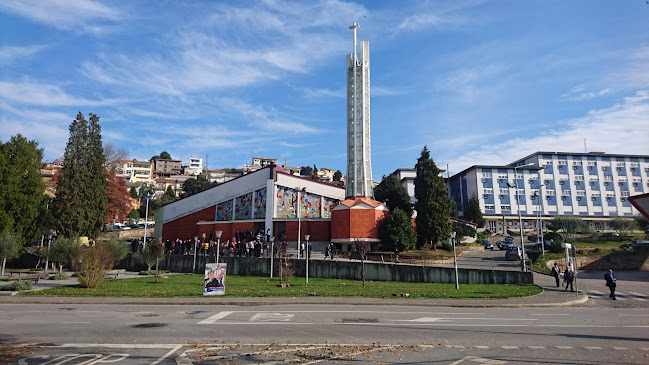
point(165, 334)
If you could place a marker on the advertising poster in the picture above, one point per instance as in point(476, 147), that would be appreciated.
point(215, 279)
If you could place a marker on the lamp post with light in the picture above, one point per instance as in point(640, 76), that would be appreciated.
point(299, 219)
point(218, 244)
point(520, 218)
point(457, 282)
point(195, 244)
point(306, 238)
point(272, 254)
point(146, 217)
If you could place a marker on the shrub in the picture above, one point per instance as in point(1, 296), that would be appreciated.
point(59, 276)
point(483, 235)
point(17, 286)
point(447, 246)
point(533, 255)
point(553, 236)
point(61, 251)
point(95, 261)
point(556, 247)
point(120, 248)
point(597, 250)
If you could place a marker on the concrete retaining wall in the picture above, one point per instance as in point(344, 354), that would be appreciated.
point(343, 270)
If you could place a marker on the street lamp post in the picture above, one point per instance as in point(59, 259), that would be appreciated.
point(195, 244)
point(299, 221)
point(457, 282)
point(146, 218)
point(520, 218)
point(306, 238)
point(203, 244)
point(218, 244)
point(272, 254)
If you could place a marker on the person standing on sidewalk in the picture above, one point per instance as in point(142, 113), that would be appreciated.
point(556, 272)
point(611, 283)
point(568, 277)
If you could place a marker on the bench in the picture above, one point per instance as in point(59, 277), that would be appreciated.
point(113, 273)
point(27, 275)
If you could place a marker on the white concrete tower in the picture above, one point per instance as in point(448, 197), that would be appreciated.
point(359, 152)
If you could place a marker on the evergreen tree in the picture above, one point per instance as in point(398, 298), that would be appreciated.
point(338, 175)
point(472, 212)
point(134, 193)
point(195, 185)
point(21, 187)
point(306, 171)
point(395, 231)
point(394, 194)
point(164, 155)
point(433, 210)
point(80, 203)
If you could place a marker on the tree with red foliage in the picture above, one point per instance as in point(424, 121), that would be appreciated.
point(119, 204)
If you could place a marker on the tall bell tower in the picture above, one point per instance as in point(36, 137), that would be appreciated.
point(359, 152)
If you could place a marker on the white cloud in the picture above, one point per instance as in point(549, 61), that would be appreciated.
point(312, 93)
point(579, 93)
point(621, 129)
point(266, 121)
point(33, 93)
point(85, 15)
point(10, 54)
point(472, 82)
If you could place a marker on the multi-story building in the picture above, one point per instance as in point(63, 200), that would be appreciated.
point(594, 185)
point(166, 168)
point(221, 176)
point(259, 163)
point(134, 171)
point(195, 166)
point(407, 178)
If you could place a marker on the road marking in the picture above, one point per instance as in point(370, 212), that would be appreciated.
point(270, 317)
point(454, 347)
point(638, 294)
point(166, 355)
point(564, 347)
point(481, 347)
point(593, 347)
point(214, 318)
point(479, 360)
point(537, 347)
point(619, 348)
point(550, 314)
point(509, 347)
point(644, 348)
point(634, 315)
point(114, 345)
point(435, 319)
point(76, 322)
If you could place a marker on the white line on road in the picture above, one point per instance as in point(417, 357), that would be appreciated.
point(166, 355)
point(593, 347)
point(634, 315)
point(76, 322)
point(482, 347)
point(564, 347)
point(214, 318)
point(619, 348)
point(537, 347)
point(550, 314)
point(509, 347)
point(118, 345)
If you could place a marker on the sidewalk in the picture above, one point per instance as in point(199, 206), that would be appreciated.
point(551, 297)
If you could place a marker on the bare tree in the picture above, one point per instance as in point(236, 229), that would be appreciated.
point(362, 247)
point(157, 252)
point(114, 154)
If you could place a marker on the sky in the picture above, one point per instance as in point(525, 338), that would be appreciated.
point(478, 82)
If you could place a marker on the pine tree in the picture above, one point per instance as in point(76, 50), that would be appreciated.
point(433, 210)
point(395, 231)
point(472, 212)
point(394, 194)
point(21, 186)
point(80, 203)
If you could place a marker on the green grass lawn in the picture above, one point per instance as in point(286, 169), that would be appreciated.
point(252, 286)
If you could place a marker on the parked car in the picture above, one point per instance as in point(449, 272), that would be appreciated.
point(610, 234)
point(503, 245)
point(513, 253)
point(633, 244)
point(487, 245)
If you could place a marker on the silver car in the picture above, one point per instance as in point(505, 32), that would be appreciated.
point(513, 253)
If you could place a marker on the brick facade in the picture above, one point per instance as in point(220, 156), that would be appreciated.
point(185, 227)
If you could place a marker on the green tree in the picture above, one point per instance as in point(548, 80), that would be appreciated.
point(134, 214)
point(21, 186)
point(164, 155)
point(642, 222)
point(10, 247)
point(395, 231)
point(393, 194)
point(433, 210)
point(453, 212)
point(134, 193)
point(80, 205)
point(472, 212)
point(306, 171)
point(569, 225)
point(62, 250)
point(463, 230)
point(622, 225)
point(338, 175)
point(195, 185)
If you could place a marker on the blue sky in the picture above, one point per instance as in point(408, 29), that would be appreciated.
point(479, 82)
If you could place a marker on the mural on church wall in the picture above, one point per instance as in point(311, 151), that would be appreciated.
point(260, 204)
point(243, 208)
point(285, 202)
point(224, 211)
point(309, 206)
point(328, 206)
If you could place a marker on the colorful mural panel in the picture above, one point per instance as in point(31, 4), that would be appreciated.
point(285, 202)
point(224, 211)
point(328, 206)
point(243, 207)
point(309, 206)
point(260, 204)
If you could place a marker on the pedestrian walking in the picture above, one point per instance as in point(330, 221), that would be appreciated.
point(302, 249)
point(611, 283)
point(568, 277)
point(353, 250)
point(326, 252)
point(556, 272)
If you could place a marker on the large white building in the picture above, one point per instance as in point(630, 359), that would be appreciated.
point(594, 185)
point(359, 166)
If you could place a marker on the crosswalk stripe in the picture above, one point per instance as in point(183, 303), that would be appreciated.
point(508, 347)
point(619, 348)
point(564, 347)
point(593, 347)
point(482, 347)
point(537, 347)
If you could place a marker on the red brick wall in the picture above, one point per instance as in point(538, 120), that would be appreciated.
point(320, 231)
point(340, 224)
point(185, 227)
point(356, 223)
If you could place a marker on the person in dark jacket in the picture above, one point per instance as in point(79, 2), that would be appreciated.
point(611, 283)
point(556, 272)
point(569, 277)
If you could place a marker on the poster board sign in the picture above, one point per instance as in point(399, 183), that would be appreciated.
point(215, 279)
